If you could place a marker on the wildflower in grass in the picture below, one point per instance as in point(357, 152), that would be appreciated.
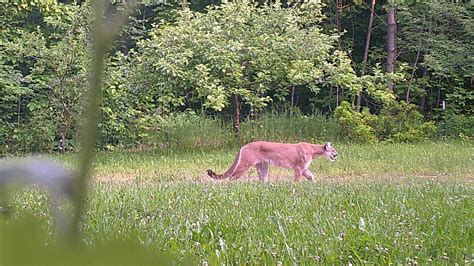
point(222, 244)
point(341, 236)
point(361, 224)
point(445, 256)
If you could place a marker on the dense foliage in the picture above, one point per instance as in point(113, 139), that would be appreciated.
point(172, 58)
point(397, 122)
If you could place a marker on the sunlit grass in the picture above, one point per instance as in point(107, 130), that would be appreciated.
point(384, 203)
point(419, 220)
point(360, 161)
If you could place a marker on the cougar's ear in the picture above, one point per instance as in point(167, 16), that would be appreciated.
point(327, 146)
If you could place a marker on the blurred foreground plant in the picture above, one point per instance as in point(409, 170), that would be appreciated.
point(58, 181)
point(54, 178)
point(104, 31)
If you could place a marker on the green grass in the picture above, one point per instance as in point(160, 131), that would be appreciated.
point(453, 160)
point(185, 131)
point(385, 203)
point(372, 222)
point(254, 223)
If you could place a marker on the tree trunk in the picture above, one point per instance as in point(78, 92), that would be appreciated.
point(391, 44)
point(407, 97)
point(292, 96)
point(369, 32)
point(423, 97)
point(366, 50)
point(236, 114)
point(338, 17)
point(359, 97)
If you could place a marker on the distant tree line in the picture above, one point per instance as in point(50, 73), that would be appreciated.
point(365, 62)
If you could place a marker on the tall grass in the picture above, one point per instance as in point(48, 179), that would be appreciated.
point(186, 131)
point(377, 222)
point(384, 203)
point(290, 127)
point(257, 223)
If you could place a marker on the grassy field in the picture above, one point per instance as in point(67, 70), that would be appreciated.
point(385, 203)
point(452, 160)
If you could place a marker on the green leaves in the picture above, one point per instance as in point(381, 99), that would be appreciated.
point(397, 122)
point(46, 69)
point(240, 48)
point(442, 37)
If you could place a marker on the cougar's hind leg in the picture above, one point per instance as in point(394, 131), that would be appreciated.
point(239, 172)
point(262, 169)
point(214, 175)
point(211, 174)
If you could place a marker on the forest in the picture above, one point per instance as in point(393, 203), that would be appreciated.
point(370, 70)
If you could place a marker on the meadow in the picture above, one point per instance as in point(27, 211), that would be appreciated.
point(382, 203)
point(149, 201)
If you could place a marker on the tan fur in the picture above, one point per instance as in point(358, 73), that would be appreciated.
point(262, 154)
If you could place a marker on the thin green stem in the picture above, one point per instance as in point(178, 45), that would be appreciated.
point(102, 37)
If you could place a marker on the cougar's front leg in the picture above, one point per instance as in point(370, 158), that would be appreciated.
point(307, 173)
point(297, 171)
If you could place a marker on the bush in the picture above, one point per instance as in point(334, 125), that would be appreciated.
point(397, 122)
point(355, 126)
point(37, 134)
point(401, 122)
point(460, 126)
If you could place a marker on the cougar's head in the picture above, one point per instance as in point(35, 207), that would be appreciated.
point(329, 152)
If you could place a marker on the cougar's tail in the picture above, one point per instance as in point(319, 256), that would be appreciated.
point(213, 175)
point(229, 171)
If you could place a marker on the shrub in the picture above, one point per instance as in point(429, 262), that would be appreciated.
point(401, 122)
point(397, 122)
point(460, 126)
point(355, 126)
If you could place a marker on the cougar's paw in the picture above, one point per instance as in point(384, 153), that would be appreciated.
point(211, 173)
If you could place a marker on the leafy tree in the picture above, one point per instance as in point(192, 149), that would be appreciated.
point(127, 117)
point(241, 51)
point(52, 71)
point(437, 40)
